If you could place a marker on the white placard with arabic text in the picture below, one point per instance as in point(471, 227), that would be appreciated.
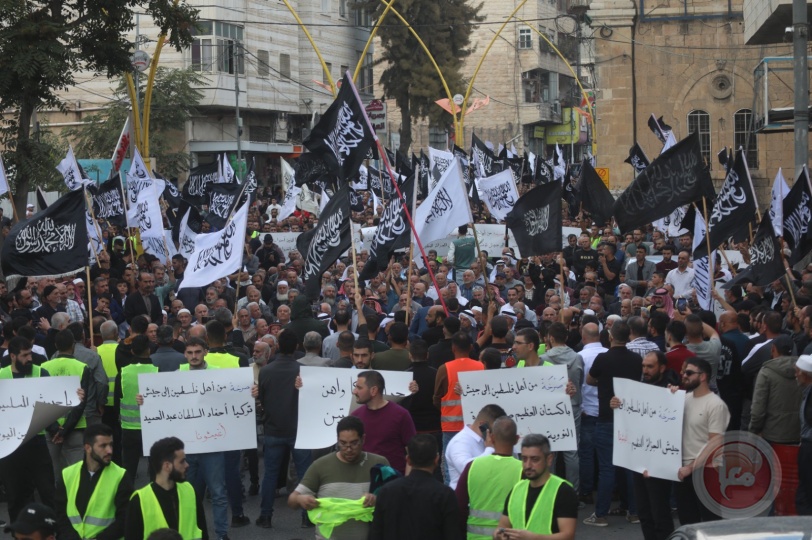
point(210, 410)
point(29, 405)
point(535, 397)
point(326, 397)
point(648, 429)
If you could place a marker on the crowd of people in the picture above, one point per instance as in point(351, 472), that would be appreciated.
point(599, 307)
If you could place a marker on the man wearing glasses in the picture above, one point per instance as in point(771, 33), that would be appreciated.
point(344, 474)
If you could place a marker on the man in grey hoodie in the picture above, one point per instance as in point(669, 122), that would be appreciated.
point(559, 354)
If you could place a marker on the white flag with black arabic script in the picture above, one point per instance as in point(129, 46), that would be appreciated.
point(779, 193)
point(292, 191)
point(499, 194)
point(138, 178)
point(217, 254)
point(145, 214)
point(70, 171)
point(445, 209)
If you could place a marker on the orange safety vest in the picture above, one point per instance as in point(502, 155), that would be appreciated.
point(450, 404)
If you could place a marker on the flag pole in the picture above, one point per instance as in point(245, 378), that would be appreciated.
point(483, 263)
point(787, 273)
point(354, 256)
point(95, 225)
point(89, 304)
point(732, 270)
point(411, 248)
point(707, 240)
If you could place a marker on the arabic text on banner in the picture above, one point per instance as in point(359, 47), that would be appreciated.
point(534, 397)
point(326, 397)
point(210, 410)
point(648, 429)
point(30, 405)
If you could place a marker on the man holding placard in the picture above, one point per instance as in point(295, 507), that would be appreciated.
point(29, 466)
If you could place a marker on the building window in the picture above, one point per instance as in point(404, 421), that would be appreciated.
point(362, 17)
point(344, 69)
point(741, 134)
point(536, 86)
point(342, 9)
point(525, 39)
point(217, 47)
point(263, 63)
point(324, 78)
point(366, 82)
point(699, 122)
point(325, 7)
point(284, 65)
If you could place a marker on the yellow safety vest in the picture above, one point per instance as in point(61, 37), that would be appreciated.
point(107, 352)
point(6, 372)
point(154, 518)
point(185, 367)
point(101, 508)
point(490, 479)
point(130, 410)
point(521, 363)
point(222, 360)
point(541, 517)
point(66, 367)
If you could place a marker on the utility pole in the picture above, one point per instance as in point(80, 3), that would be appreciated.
point(237, 104)
point(800, 34)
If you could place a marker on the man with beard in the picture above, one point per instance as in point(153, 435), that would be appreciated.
point(92, 494)
point(29, 466)
point(541, 503)
point(706, 417)
point(280, 298)
point(653, 495)
point(169, 501)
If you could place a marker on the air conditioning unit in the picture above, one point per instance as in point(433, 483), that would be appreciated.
point(281, 127)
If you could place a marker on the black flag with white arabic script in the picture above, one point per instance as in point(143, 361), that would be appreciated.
point(52, 242)
point(797, 215)
point(677, 177)
point(536, 220)
point(637, 159)
point(108, 202)
point(323, 245)
point(309, 167)
point(223, 199)
point(195, 221)
point(483, 158)
point(194, 190)
point(766, 264)
point(594, 195)
point(343, 136)
point(393, 232)
point(734, 207)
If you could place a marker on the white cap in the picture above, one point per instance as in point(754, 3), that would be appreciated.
point(323, 316)
point(804, 363)
point(283, 282)
point(77, 281)
point(184, 310)
point(476, 309)
point(468, 315)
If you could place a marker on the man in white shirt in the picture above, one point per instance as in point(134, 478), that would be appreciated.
point(473, 441)
point(681, 277)
point(590, 337)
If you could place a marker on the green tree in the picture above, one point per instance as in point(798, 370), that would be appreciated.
point(44, 43)
point(408, 76)
point(174, 98)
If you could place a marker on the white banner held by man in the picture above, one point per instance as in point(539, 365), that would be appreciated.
point(535, 398)
point(648, 429)
point(29, 405)
point(326, 397)
point(210, 410)
point(292, 191)
point(499, 194)
point(217, 254)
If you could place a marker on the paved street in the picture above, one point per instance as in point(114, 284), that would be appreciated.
point(287, 522)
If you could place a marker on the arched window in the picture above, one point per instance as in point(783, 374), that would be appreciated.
point(699, 122)
point(741, 134)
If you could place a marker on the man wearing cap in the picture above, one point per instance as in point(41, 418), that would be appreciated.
point(29, 211)
point(35, 522)
point(92, 495)
point(49, 298)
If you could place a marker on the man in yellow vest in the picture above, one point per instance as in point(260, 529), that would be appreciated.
point(29, 466)
point(218, 356)
point(66, 442)
point(169, 501)
point(107, 352)
point(445, 396)
point(92, 495)
point(541, 504)
point(126, 400)
point(487, 480)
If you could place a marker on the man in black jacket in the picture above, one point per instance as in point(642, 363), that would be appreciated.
point(418, 494)
point(144, 301)
point(280, 401)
